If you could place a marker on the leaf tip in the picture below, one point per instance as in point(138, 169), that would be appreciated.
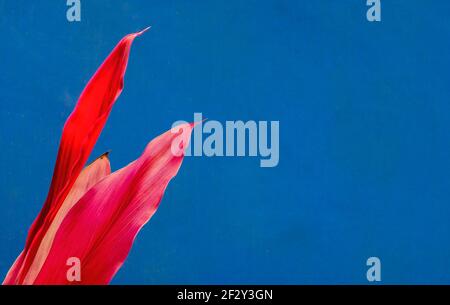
point(105, 155)
point(143, 31)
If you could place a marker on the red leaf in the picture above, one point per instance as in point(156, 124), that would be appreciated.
point(79, 136)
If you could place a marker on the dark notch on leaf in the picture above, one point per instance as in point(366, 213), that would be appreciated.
point(104, 155)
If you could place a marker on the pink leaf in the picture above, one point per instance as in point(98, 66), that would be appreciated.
point(89, 176)
point(100, 229)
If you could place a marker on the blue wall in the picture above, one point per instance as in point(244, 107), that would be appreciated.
point(364, 133)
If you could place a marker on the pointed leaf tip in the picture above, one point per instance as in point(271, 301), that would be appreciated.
point(143, 31)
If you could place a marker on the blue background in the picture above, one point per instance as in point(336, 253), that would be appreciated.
point(364, 133)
